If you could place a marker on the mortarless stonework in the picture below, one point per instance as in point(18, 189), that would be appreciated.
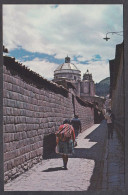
point(30, 115)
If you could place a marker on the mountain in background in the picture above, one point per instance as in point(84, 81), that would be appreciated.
point(102, 88)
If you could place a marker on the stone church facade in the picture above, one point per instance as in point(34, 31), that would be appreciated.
point(68, 71)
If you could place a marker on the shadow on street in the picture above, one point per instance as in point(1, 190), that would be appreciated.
point(53, 169)
point(96, 153)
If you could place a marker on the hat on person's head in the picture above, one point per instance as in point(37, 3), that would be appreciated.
point(76, 116)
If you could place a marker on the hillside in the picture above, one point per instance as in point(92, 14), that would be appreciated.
point(102, 88)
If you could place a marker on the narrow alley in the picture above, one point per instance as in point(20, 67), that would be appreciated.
point(98, 164)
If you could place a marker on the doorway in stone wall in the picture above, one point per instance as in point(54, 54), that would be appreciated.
point(49, 144)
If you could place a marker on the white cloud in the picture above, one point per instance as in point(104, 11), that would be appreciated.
point(42, 67)
point(25, 56)
point(76, 30)
point(98, 69)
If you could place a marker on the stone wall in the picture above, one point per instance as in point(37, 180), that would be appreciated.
point(32, 114)
point(86, 115)
point(117, 91)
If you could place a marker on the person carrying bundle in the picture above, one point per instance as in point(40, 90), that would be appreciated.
point(65, 137)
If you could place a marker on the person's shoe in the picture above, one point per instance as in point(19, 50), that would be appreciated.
point(65, 166)
point(63, 163)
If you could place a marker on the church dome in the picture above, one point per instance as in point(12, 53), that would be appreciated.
point(67, 67)
point(68, 71)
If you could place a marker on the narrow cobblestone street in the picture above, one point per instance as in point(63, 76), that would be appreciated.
point(97, 164)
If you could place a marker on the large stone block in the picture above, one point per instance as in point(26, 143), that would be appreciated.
point(36, 114)
point(41, 125)
point(39, 144)
point(5, 76)
point(6, 93)
point(41, 108)
point(40, 151)
point(22, 112)
point(39, 102)
point(9, 128)
point(9, 155)
point(5, 168)
point(32, 94)
point(15, 111)
point(31, 140)
point(5, 102)
point(35, 126)
point(29, 127)
point(17, 136)
point(18, 127)
point(9, 165)
point(39, 131)
point(33, 154)
point(27, 156)
point(18, 161)
point(24, 135)
point(9, 119)
point(29, 134)
point(50, 124)
point(19, 144)
point(7, 86)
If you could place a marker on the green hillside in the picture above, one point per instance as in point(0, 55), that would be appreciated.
point(102, 88)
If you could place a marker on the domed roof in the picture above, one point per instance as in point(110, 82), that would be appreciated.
point(67, 66)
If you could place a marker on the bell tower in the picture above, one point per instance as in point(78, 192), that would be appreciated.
point(87, 85)
point(87, 76)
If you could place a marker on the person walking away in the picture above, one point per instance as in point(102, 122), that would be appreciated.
point(65, 137)
point(112, 118)
point(76, 123)
point(110, 122)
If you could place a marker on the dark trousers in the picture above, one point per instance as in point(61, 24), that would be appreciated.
point(110, 130)
point(76, 132)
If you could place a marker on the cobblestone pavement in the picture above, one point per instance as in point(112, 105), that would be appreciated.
point(113, 172)
point(84, 168)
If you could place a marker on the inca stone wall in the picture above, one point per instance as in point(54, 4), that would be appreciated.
point(31, 117)
point(86, 115)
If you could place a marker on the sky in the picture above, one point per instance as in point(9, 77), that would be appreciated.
point(41, 36)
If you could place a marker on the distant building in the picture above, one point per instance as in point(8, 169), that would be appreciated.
point(87, 85)
point(69, 72)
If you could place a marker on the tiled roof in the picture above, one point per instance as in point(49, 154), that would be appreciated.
point(31, 77)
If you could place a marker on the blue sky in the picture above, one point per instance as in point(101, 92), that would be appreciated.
point(41, 36)
point(24, 55)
